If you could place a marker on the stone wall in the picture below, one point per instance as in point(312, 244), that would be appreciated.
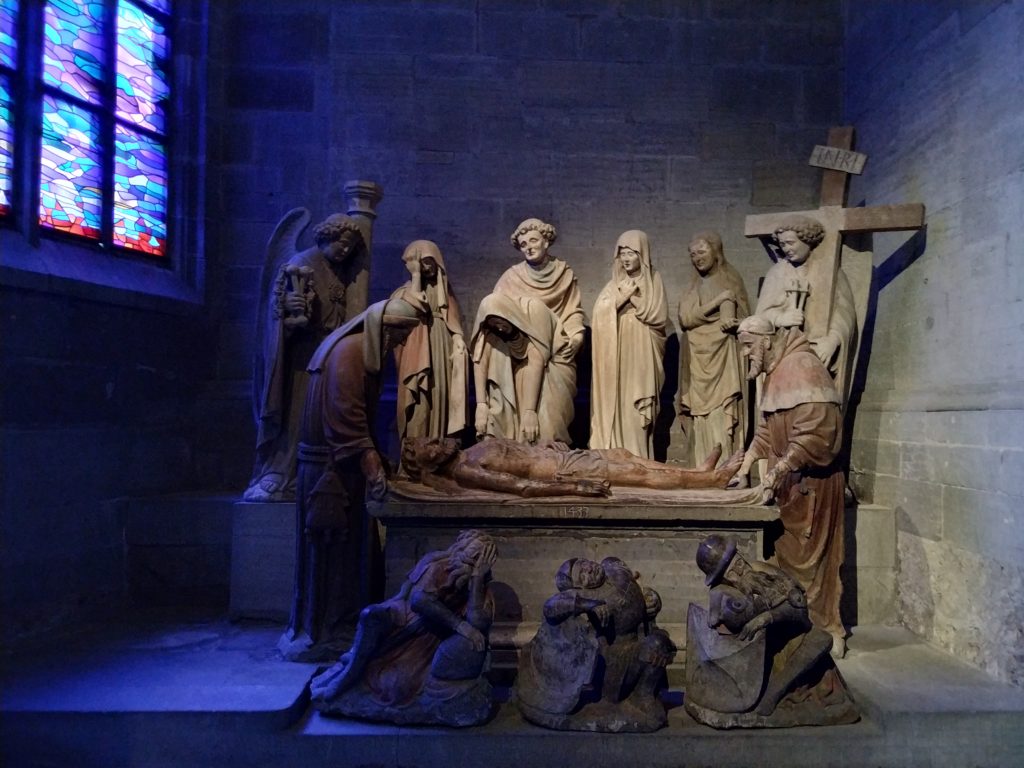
point(102, 362)
point(935, 92)
point(97, 404)
point(598, 116)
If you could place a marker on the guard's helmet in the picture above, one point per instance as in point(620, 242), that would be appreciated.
point(713, 557)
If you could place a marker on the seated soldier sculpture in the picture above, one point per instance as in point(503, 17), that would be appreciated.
point(419, 658)
point(754, 660)
point(597, 662)
point(550, 468)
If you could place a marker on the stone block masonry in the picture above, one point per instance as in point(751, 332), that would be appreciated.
point(939, 432)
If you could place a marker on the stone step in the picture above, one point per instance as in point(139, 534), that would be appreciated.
point(211, 693)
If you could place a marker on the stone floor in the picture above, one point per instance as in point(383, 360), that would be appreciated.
point(171, 691)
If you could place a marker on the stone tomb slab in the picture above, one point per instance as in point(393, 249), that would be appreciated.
point(534, 539)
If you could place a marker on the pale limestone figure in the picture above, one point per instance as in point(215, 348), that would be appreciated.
point(799, 433)
point(754, 659)
point(339, 463)
point(542, 276)
point(525, 377)
point(305, 296)
point(420, 657)
point(629, 334)
point(597, 662)
point(713, 386)
point(550, 469)
point(798, 282)
point(432, 363)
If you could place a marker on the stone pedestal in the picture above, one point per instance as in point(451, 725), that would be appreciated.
point(535, 538)
point(262, 560)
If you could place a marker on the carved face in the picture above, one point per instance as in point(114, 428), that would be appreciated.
point(534, 247)
point(433, 453)
point(629, 259)
point(428, 268)
point(501, 327)
point(703, 256)
point(730, 608)
point(395, 335)
point(337, 251)
point(795, 249)
point(754, 348)
point(586, 574)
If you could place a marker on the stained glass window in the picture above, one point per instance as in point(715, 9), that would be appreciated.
point(71, 177)
point(141, 82)
point(8, 61)
point(104, 164)
point(8, 23)
point(140, 192)
point(73, 48)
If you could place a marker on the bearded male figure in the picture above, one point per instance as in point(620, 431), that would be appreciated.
point(799, 432)
point(338, 462)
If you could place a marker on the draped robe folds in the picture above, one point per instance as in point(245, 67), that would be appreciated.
point(336, 429)
point(801, 424)
point(554, 284)
point(628, 355)
point(843, 323)
point(714, 383)
point(504, 362)
point(280, 378)
point(431, 380)
point(401, 675)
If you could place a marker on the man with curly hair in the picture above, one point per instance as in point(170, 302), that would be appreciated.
point(542, 276)
point(306, 299)
point(797, 283)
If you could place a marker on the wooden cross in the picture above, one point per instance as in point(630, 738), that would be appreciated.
point(837, 219)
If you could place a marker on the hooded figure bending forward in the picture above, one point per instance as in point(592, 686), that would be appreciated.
point(525, 378)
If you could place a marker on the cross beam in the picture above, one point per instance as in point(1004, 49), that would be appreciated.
point(837, 221)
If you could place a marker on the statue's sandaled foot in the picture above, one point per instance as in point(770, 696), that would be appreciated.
point(712, 460)
point(271, 487)
point(724, 473)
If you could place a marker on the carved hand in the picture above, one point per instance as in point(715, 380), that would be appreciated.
point(531, 426)
point(480, 421)
point(488, 555)
point(458, 346)
point(790, 318)
point(413, 265)
point(593, 488)
point(472, 634)
point(825, 348)
point(601, 614)
point(296, 302)
point(755, 625)
point(743, 472)
point(575, 343)
point(376, 477)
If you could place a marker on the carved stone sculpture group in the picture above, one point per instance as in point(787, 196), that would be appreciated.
point(758, 655)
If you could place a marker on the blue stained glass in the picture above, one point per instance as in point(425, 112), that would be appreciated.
point(142, 53)
point(70, 174)
point(6, 146)
point(73, 48)
point(140, 192)
point(8, 31)
point(164, 6)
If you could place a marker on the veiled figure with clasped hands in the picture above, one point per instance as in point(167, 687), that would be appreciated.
point(630, 318)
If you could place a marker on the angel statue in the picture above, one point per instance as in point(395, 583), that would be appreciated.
point(306, 295)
